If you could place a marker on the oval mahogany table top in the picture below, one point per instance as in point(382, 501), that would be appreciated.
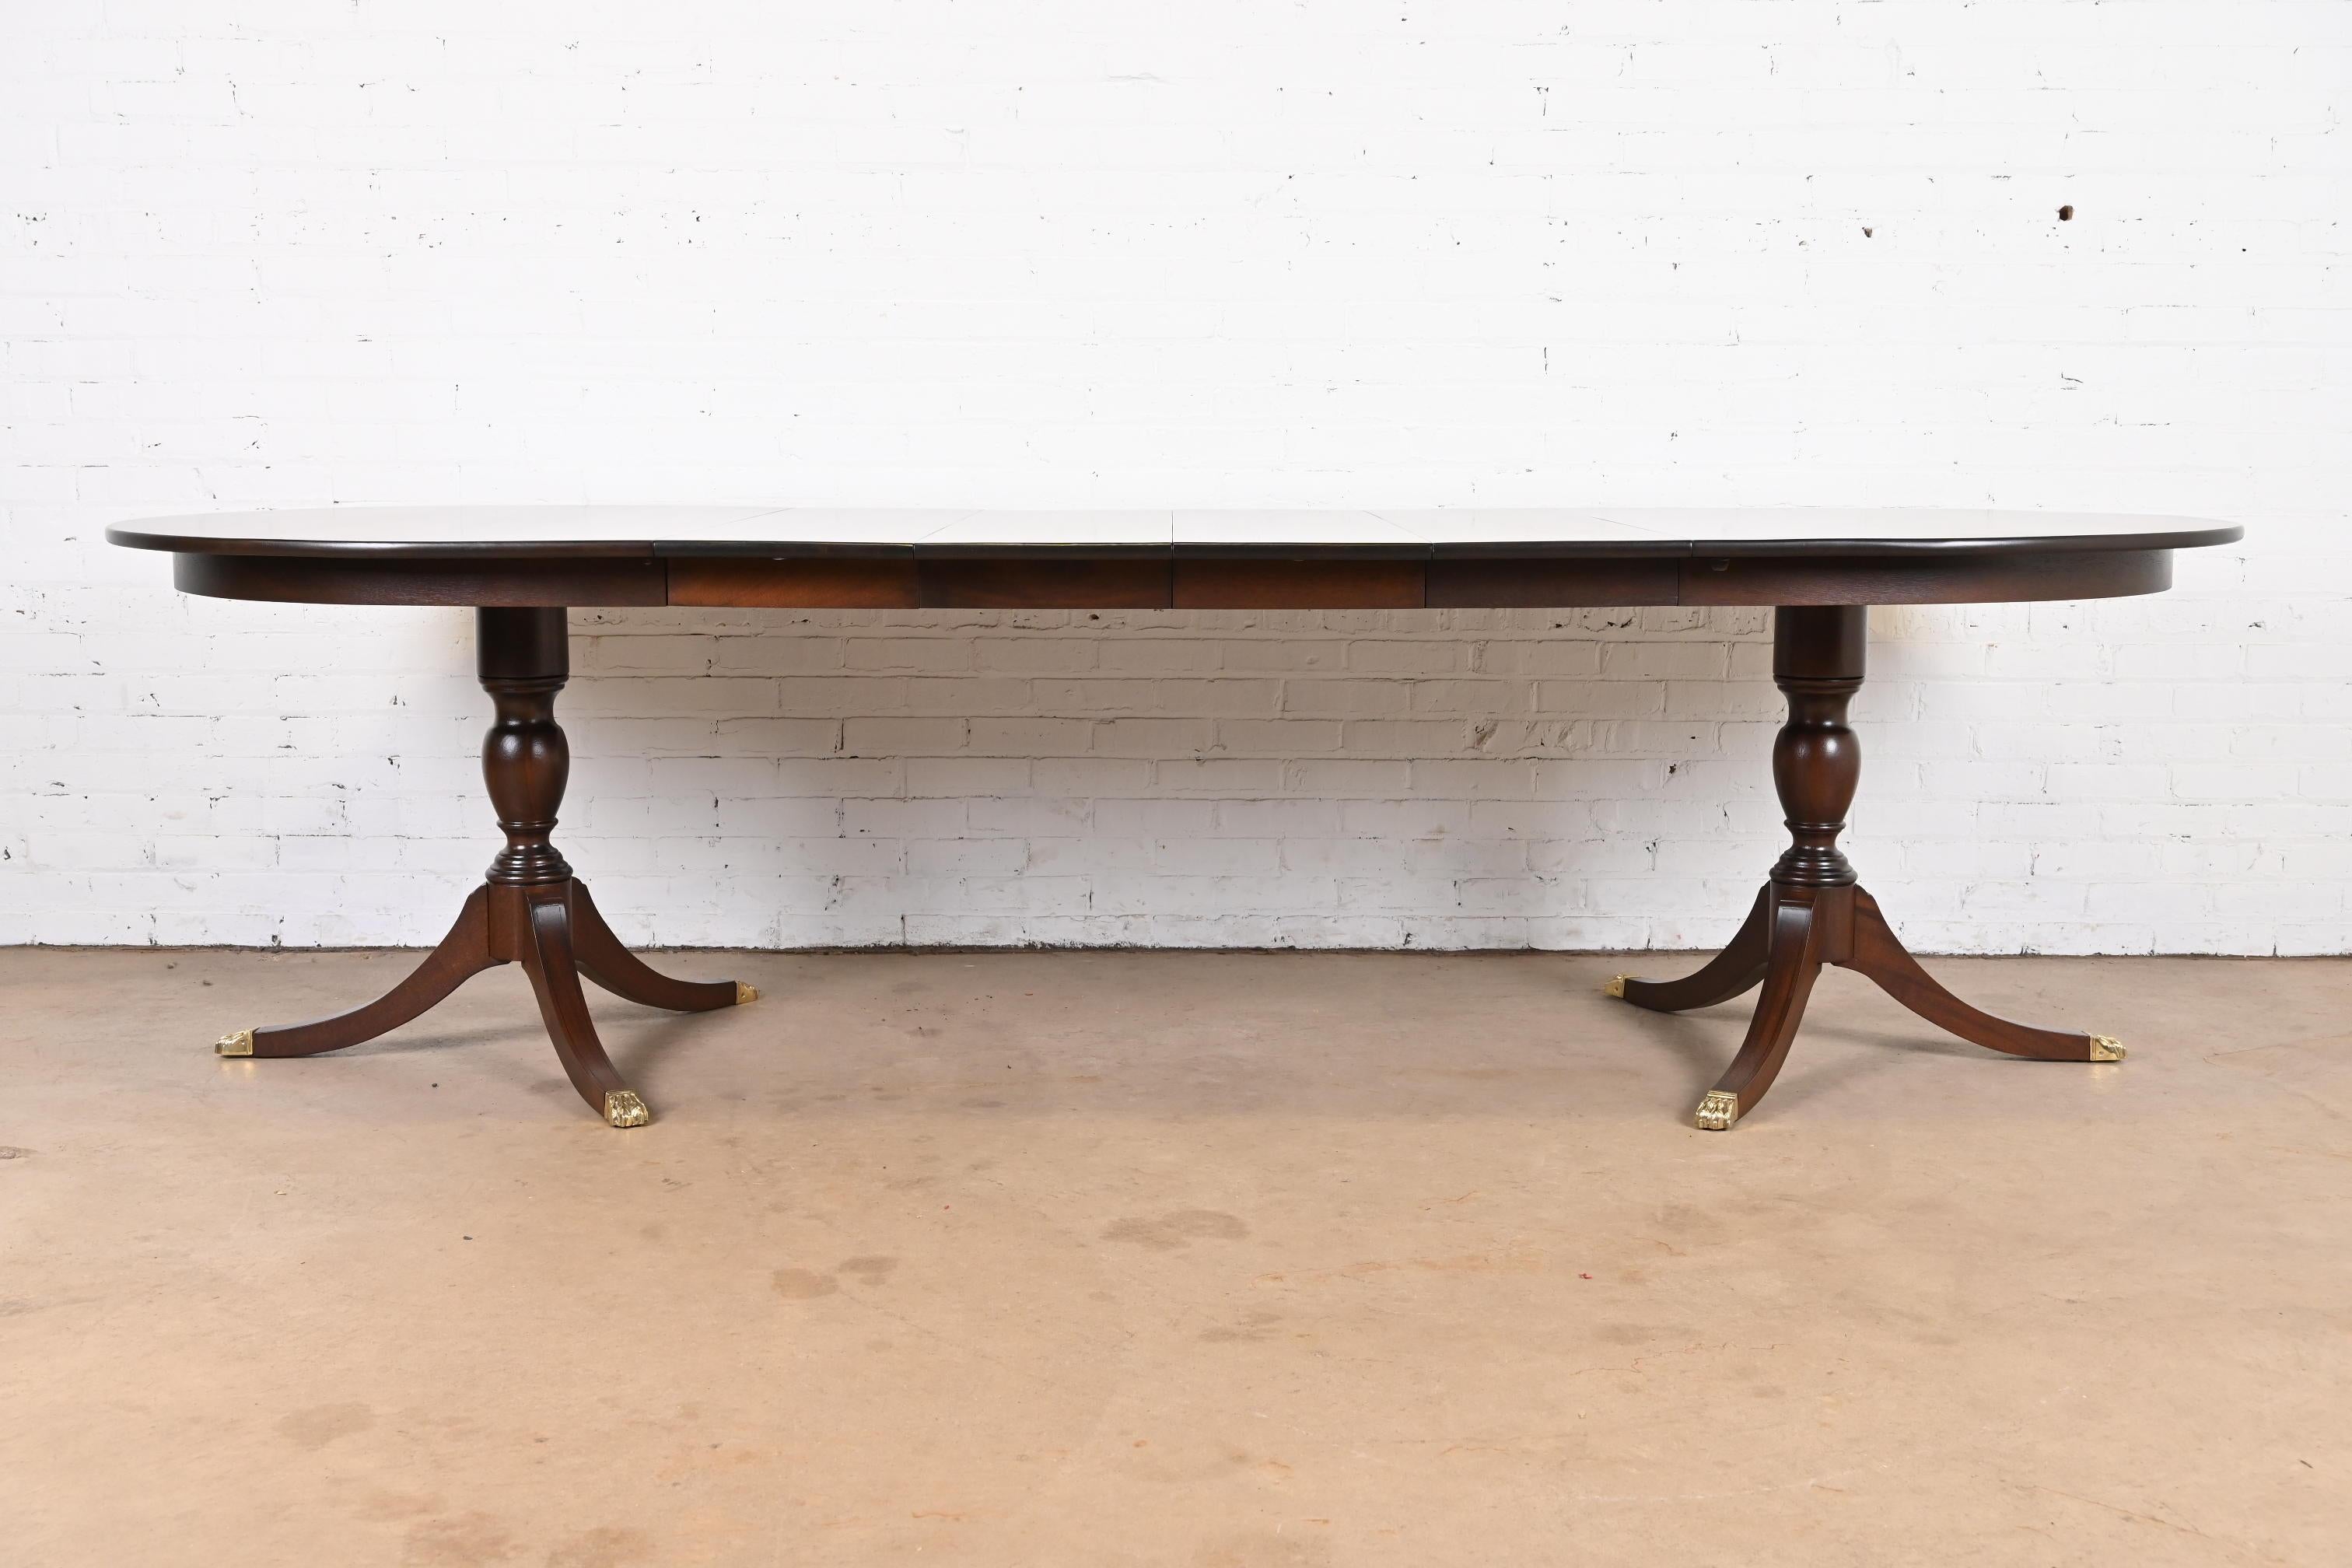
point(808, 558)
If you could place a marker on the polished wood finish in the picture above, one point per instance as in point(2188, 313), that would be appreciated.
point(750, 558)
point(1797, 931)
point(411, 581)
point(1734, 972)
point(1811, 912)
point(886, 583)
point(1817, 659)
point(1157, 581)
point(1877, 953)
point(1279, 584)
point(544, 949)
point(464, 952)
point(603, 960)
point(1924, 579)
point(1551, 583)
point(520, 567)
point(525, 659)
point(1065, 581)
point(571, 533)
point(530, 909)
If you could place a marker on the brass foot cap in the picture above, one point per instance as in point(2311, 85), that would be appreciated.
point(237, 1044)
point(1718, 1110)
point(1616, 986)
point(745, 993)
point(624, 1108)
point(2106, 1049)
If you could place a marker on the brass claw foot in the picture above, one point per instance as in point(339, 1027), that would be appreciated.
point(745, 994)
point(2106, 1049)
point(239, 1044)
point(624, 1108)
point(1718, 1111)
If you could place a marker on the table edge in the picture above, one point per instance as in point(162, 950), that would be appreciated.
point(2205, 534)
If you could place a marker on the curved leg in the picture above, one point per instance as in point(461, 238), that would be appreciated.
point(603, 960)
point(1738, 967)
point(547, 958)
point(1795, 937)
point(463, 953)
point(1878, 953)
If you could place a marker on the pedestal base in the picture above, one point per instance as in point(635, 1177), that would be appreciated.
point(530, 908)
point(1812, 912)
point(1790, 934)
point(554, 931)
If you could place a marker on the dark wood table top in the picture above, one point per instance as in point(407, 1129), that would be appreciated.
point(1257, 560)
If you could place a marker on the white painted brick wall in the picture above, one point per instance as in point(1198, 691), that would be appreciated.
point(1489, 252)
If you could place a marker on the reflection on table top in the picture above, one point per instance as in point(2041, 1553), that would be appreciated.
point(643, 530)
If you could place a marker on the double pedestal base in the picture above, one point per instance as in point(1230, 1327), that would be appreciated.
point(530, 911)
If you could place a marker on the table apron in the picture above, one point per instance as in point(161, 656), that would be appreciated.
point(1078, 579)
point(518, 584)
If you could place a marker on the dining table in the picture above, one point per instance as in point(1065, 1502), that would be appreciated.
point(521, 568)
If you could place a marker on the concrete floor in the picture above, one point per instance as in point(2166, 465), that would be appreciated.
point(1211, 1260)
